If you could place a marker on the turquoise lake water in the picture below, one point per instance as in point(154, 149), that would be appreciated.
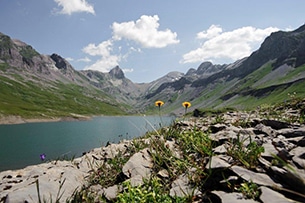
point(22, 144)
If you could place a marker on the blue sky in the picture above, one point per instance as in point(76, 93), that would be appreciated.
point(147, 39)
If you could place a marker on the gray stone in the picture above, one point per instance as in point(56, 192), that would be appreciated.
point(258, 178)
point(220, 149)
point(299, 161)
point(291, 132)
point(270, 196)
point(136, 180)
point(217, 127)
point(181, 187)
point(269, 150)
point(262, 129)
point(49, 175)
point(173, 147)
point(112, 191)
point(226, 135)
point(217, 162)
point(232, 197)
point(276, 124)
point(163, 173)
point(298, 151)
point(299, 156)
point(113, 150)
point(139, 164)
point(291, 176)
point(301, 142)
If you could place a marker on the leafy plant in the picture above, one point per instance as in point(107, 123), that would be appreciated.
point(151, 191)
point(249, 189)
point(109, 171)
point(246, 155)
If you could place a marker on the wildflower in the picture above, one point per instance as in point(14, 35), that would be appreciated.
point(159, 103)
point(42, 157)
point(186, 105)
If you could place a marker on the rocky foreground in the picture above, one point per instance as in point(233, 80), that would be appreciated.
point(217, 157)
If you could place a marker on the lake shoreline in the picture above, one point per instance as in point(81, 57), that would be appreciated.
point(12, 120)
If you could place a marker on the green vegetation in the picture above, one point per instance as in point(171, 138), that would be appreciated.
point(31, 100)
point(4, 67)
point(252, 78)
point(249, 189)
point(247, 155)
point(28, 52)
point(5, 42)
point(150, 192)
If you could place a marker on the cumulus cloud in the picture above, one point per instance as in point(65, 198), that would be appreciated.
point(104, 50)
point(145, 32)
point(73, 6)
point(229, 46)
point(104, 64)
point(213, 31)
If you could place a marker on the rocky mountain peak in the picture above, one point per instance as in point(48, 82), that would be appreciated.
point(191, 71)
point(60, 63)
point(204, 66)
point(117, 73)
point(207, 68)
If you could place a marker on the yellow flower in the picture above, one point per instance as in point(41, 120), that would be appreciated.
point(159, 103)
point(186, 104)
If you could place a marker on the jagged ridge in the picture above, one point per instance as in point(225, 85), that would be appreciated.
point(268, 74)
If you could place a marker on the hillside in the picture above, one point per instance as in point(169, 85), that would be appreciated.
point(35, 85)
point(47, 86)
point(269, 75)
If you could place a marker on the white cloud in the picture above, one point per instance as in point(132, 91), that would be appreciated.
point(103, 49)
point(145, 32)
point(213, 31)
point(73, 6)
point(86, 59)
point(227, 46)
point(127, 70)
point(105, 64)
point(69, 59)
point(107, 60)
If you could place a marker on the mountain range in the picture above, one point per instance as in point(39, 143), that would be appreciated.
point(37, 85)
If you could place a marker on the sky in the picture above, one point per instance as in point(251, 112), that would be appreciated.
point(147, 39)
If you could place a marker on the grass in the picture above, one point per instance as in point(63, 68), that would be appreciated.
point(28, 99)
point(152, 191)
point(248, 154)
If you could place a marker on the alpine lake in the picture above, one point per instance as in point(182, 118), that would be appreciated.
point(24, 144)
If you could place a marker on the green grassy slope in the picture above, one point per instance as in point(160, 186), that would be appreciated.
point(28, 99)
